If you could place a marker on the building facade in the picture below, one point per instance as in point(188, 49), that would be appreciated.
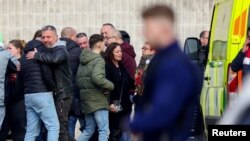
point(19, 19)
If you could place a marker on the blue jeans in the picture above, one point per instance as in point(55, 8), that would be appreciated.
point(125, 136)
point(41, 106)
point(72, 125)
point(99, 118)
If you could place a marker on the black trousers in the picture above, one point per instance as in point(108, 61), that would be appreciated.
point(14, 121)
point(62, 108)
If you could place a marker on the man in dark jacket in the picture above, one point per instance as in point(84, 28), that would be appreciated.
point(39, 100)
point(68, 35)
point(172, 84)
point(203, 50)
point(59, 58)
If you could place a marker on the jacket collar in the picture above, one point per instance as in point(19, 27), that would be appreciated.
point(59, 43)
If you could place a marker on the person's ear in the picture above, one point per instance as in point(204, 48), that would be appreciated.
point(99, 45)
point(71, 37)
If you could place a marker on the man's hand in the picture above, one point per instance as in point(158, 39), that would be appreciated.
point(31, 54)
point(112, 108)
point(245, 48)
point(136, 136)
point(106, 93)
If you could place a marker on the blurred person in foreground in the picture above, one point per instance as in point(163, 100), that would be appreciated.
point(172, 84)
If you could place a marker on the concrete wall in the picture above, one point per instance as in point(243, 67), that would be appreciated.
point(21, 18)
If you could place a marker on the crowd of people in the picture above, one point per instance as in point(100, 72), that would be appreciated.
point(49, 83)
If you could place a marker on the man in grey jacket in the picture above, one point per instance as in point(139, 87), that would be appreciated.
point(5, 56)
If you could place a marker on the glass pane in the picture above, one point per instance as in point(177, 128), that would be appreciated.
point(191, 49)
point(222, 27)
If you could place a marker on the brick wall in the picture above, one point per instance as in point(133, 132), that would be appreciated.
point(21, 18)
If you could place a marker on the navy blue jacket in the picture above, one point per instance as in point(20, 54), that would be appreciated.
point(35, 77)
point(74, 59)
point(171, 93)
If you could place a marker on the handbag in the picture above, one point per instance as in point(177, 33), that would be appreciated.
point(117, 103)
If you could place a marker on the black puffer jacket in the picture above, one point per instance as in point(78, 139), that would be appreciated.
point(13, 93)
point(32, 72)
point(74, 58)
point(58, 58)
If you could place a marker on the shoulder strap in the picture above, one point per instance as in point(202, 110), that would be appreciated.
point(120, 99)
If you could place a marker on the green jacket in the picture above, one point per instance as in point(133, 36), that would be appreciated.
point(92, 82)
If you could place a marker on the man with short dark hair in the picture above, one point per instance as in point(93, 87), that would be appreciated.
point(82, 40)
point(58, 57)
point(125, 36)
point(203, 50)
point(172, 84)
point(204, 36)
point(93, 84)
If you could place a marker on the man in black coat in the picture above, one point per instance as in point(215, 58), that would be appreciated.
point(37, 80)
point(68, 35)
point(58, 57)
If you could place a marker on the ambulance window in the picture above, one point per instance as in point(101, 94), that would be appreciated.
point(221, 29)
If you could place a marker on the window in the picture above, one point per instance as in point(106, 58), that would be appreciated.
point(221, 29)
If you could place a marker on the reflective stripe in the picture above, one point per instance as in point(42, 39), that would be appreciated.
point(222, 99)
point(212, 104)
point(220, 74)
point(212, 101)
point(213, 77)
point(216, 103)
point(204, 97)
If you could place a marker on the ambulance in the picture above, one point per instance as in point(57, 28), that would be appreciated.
point(228, 32)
